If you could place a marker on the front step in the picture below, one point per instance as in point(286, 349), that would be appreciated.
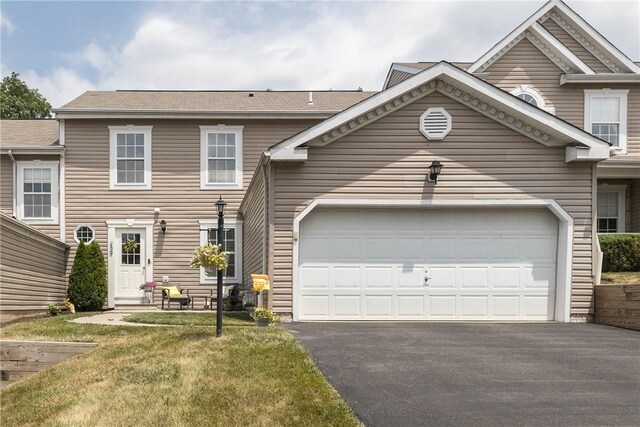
point(134, 308)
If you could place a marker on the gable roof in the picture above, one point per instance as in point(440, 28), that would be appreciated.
point(192, 103)
point(29, 133)
point(462, 86)
point(584, 33)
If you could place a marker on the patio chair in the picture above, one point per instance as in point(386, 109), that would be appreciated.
point(175, 294)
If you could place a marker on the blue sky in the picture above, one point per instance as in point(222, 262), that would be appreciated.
point(65, 48)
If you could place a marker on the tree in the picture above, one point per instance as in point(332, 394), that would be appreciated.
point(88, 278)
point(18, 101)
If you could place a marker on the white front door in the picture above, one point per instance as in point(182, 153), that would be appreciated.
point(440, 264)
point(130, 265)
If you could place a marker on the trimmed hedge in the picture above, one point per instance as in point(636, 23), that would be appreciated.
point(621, 252)
point(88, 278)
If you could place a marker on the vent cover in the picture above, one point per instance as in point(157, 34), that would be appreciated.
point(435, 123)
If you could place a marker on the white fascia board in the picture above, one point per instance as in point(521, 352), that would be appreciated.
point(398, 67)
point(598, 38)
point(512, 35)
point(586, 154)
point(291, 154)
point(186, 114)
point(442, 69)
point(561, 49)
point(50, 150)
point(600, 78)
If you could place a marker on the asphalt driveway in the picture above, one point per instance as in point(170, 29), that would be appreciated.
point(426, 374)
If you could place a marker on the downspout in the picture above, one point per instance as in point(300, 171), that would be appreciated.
point(265, 237)
point(14, 184)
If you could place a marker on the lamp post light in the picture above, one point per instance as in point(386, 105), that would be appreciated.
point(163, 226)
point(220, 205)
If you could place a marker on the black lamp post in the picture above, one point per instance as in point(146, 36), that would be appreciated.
point(434, 171)
point(220, 205)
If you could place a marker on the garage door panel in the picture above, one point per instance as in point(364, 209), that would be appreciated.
point(482, 264)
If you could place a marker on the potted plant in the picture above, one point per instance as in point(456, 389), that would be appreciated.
point(210, 257)
point(148, 289)
point(264, 317)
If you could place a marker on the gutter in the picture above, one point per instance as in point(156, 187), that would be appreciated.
point(193, 114)
point(600, 78)
point(45, 150)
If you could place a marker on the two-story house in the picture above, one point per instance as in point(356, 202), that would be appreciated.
point(467, 191)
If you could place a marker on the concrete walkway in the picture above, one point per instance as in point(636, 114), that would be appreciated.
point(110, 318)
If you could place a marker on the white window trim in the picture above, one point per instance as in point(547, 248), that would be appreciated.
point(113, 163)
point(622, 195)
point(521, 89)
point(19, 179)
point(204, 164)
point(622, 95)
point(205, 224)
point(75, 233)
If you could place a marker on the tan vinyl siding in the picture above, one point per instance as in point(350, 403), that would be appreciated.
point(389, 159)
point(398, 77)
point(175, 185)
point(575, 47)
point(525, 64)
point(6, 189)
point(634, 204)
point(254, 237)
point(32, 267)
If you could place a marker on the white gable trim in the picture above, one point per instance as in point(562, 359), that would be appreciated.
point(532, 25)
point(568, 56)
point(406, 89)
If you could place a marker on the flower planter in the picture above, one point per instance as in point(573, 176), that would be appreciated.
point(262, 322)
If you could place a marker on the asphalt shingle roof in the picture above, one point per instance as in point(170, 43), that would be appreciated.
point(29, 133)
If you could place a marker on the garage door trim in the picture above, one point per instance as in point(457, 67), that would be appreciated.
point(565, 236)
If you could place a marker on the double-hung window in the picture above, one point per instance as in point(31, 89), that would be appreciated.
point(221, 157)
point(130, 153)
point(37, 192)
point(605, 116)
point(611, 208)
point(232, 245)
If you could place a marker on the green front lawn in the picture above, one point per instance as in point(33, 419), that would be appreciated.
point(191, 318)
point(173, 376)
point(626, 278)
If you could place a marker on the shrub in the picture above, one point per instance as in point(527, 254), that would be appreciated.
point(88, 278)
point(621, 252)
point(54, 310)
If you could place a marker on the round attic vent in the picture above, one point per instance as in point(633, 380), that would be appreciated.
point(435, 123)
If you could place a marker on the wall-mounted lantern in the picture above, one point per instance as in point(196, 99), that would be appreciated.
point(434, 171)
point(163, 226)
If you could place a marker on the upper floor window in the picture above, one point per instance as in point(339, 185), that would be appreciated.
point(232, 246)
point(37, 195)
point(533, 97)
point(130, 157)
point(221, 157)
point(605, 116)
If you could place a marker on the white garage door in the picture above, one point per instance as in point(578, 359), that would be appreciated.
point(434, 264)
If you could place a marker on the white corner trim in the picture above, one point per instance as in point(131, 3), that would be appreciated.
point(113, 163)
point(112, 225)
point(621, 94)
point(55, 190)
point(63, 198)
point(205, 224)
point(204, 163)
point(62, 135)
point(564, 261)
point(561, 49)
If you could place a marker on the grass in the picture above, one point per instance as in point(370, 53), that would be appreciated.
point(172, 377)
point(193, 319)
point(626, 278)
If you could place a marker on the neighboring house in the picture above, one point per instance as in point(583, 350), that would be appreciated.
point(330, 193)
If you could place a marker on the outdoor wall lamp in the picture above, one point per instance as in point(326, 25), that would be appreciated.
point(434, 171)
point(220, 205)
point(163, 226)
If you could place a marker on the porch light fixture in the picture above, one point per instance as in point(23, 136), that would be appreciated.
point(434, 171)
point(220, 205)
point(163, 226)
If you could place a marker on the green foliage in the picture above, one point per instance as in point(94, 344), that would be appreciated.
point(621, 252)
point(265, 314)
point(54, 310)
point(88, 278)
point(18, 101)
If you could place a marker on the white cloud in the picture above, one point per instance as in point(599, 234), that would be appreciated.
point(293, 45)
point(6, 24)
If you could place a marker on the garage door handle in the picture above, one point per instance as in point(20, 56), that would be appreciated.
point(426, 280)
